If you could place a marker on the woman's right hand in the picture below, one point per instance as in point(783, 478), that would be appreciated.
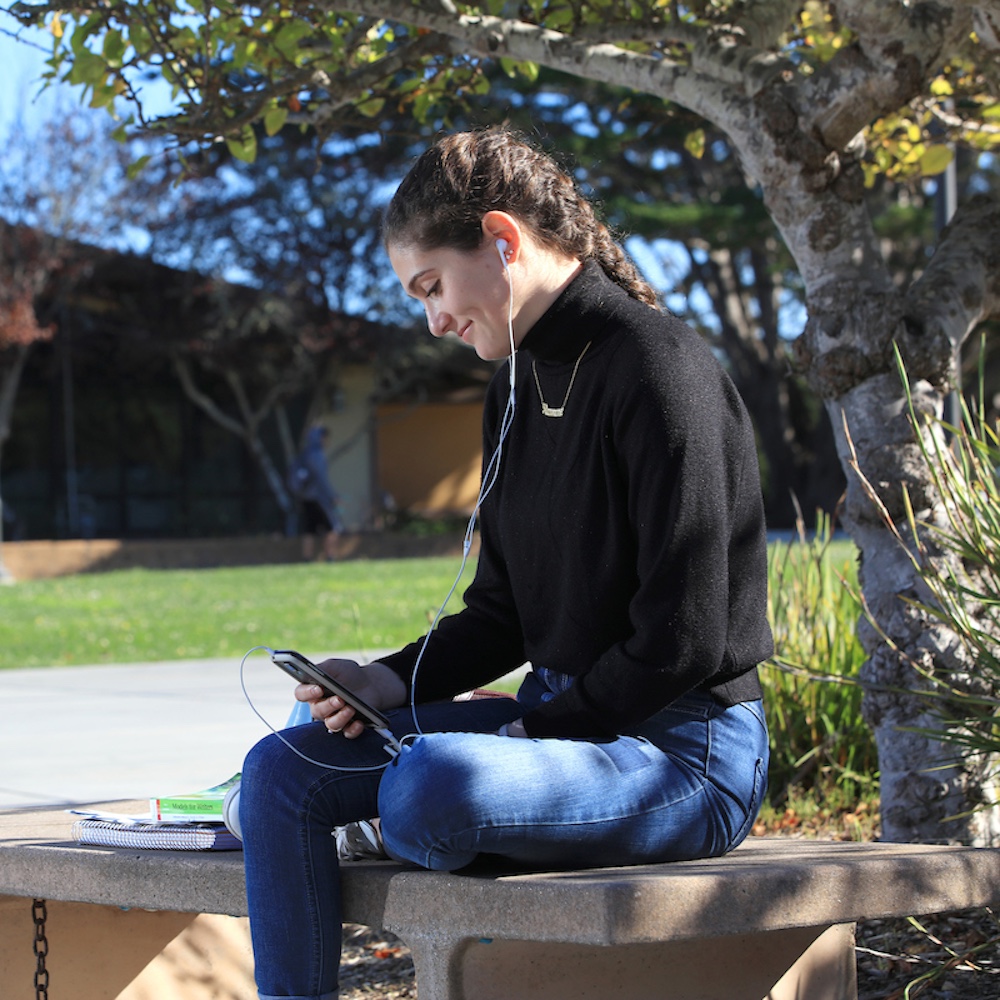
point(374, 683)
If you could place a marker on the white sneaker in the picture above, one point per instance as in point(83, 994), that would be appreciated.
point(360, 841)
point(231, 811)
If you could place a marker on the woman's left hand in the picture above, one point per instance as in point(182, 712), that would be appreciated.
point(375, 683)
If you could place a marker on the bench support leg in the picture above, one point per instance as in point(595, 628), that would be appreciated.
point(105, 953)
point(814, 962)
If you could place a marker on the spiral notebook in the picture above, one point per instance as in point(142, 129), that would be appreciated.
point(147, 834)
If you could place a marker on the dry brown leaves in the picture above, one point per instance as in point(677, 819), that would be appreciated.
point(375, 964)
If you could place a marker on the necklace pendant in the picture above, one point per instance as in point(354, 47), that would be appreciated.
point(557, 411)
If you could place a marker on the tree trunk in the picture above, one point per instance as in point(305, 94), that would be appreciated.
point(931, 792)
point(9, 385)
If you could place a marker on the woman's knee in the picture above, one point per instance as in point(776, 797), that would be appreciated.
point(262, 760)
point(416, 774)
point(427, 796)
point(269, 776)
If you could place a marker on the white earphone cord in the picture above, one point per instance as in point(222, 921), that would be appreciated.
point(490, 475)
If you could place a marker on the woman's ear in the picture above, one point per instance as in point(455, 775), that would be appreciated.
point(499, 227)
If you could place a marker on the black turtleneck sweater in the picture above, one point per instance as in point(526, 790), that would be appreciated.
point(624, 542)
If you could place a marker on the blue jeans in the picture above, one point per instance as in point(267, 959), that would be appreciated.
point(685, 784)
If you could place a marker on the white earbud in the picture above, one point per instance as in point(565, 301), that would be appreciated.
point(501, 246)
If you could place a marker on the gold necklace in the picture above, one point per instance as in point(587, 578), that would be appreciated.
point(557, 411)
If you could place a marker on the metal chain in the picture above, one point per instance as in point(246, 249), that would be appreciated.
point(557, 411)
point(40, 913)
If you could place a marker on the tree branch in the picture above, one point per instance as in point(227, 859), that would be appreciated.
point(712, 86)
point(493, 37)
point(985, 16)
point(341, 91)
point(200, 399)
point(763, 22)
point(961, 285)
point(896, 49)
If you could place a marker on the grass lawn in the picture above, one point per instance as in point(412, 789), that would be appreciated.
point(139, 615)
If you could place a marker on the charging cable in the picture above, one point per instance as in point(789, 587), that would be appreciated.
point(392, 746)
point(490, 476)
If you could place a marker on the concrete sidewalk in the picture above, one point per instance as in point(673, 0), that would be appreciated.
point(71, 735)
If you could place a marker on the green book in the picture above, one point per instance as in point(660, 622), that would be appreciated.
point(195, 806)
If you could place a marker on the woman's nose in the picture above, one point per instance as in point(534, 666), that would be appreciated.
point(438, 320)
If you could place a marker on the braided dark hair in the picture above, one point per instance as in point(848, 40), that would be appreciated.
point(451, 186)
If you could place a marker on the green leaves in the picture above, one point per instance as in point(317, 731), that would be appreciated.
point(372, 107)
point(902, 148)
point(228, 62)
point(823, 37)
point(274, 120)
point(694, 143)
point(243, 146)
point(935, 160)
point(528, 70)
point(135, 168)
point(114, 49)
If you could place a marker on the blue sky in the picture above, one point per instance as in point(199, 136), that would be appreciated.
point(20, 67)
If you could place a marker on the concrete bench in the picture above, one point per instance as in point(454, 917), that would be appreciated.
point(775, 919)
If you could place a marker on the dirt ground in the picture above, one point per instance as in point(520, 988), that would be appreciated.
point(951, 956)
point(36, 560)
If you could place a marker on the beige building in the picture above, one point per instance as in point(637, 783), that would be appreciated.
point(422, 457)
point(429, 456)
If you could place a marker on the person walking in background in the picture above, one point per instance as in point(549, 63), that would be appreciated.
point(309, 483)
